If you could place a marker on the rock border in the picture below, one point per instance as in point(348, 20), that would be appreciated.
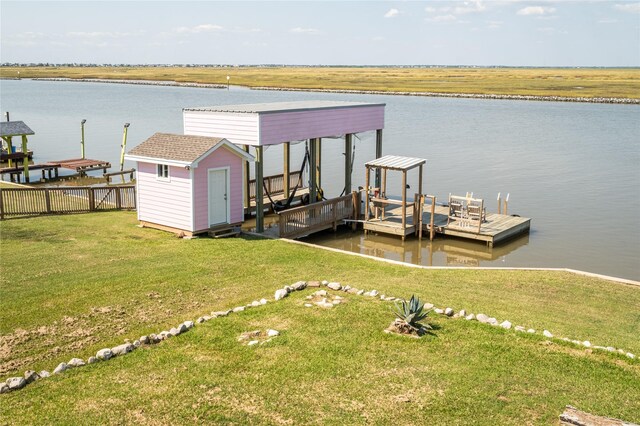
point(30, 376)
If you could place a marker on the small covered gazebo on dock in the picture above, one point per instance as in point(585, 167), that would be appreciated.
point(280, 123)
point(9, 130)
point(380, 222)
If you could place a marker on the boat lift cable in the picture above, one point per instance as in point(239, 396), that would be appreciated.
point(279, 205)
point(353, 157)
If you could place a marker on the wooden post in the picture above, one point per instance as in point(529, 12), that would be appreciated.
point(47, 199)
point(506, 205)
point(287, 171)
point(25, 160)
point(1, 205)
point(355, 199)
point(259, 190)
point(318, 166)
point(420, 180)
point(313, 184)
point(348, 147)
point(10, 150)
point(118, 199)
point(404, 201)
point(92, 199)
point(378, 154)
point(366, 194)
point(499, 204)
point(432, 231)
point(383, 187)
point(247, 187)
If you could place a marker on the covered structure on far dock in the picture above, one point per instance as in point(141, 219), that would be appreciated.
point(9, 130)
point(280, 123)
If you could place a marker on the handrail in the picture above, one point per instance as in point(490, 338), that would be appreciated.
point(274, 184)
point(303, 220)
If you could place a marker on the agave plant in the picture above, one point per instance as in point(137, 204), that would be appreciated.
point(411, 312)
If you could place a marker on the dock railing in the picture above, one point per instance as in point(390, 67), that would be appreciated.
point(42, 201)
point(274, 184)
point(305, 220)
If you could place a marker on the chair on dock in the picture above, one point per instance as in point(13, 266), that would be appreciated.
point(466, 210)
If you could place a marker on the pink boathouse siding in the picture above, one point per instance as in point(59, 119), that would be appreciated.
point(270, 127)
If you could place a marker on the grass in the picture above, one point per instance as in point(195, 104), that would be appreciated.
point(74, 284)
point(569, 82)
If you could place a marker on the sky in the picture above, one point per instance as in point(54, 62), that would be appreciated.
point(484, 33)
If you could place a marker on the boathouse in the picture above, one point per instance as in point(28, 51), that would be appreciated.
point(280, 123)
point(189, 184)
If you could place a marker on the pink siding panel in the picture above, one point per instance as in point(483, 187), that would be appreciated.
point(289, 126)
point(162, 202)
point(240, 129)
point(220, 158)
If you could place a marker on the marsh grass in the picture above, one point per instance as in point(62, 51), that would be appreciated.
point(569, 82)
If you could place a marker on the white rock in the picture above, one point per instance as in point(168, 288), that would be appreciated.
point(346, 288)
point(62, 367)
point(586, 343)
point(255, 304)
point(123, 349)
point(200, 320)
point(288, 288)
point(462, 313)
point(217, 314)
point(324, 282)
point(104, 354)
point(531, 331)
point(493, 321)
point(520, 328)
point(470, 317)
point(374, 293)
point(273, 333)
point(31, 376)
point(253, 342)
point(630, 355)
point(360, 292)
point(621, 351)
point(174, 331)
point(44, 374)
point(308, 305)
point(482, 318)
point(389, 299)
point(16, 383)
point(300, 285)
point(320, 293)
point(448, 312)
point(280, 294)
point(428, 306)
point(438, 310)
point(263, 301)
point(92, 360)
point(183, 327)
point(136, 343)
point(4, 388)
point(383, 296)
point(75, 362)
point(611, 349)
point(336, 302)
point(238, 309)
point(334, 286)
point(547, 333)
point(505, 324)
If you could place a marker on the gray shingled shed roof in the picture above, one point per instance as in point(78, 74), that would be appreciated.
point(180, 148)
point(14, 128)
point(283, 106)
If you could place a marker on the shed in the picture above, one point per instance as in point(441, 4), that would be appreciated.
point(189, 184)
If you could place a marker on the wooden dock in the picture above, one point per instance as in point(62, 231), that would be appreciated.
point(83, 165)
point(16, 172)
point(494, 230)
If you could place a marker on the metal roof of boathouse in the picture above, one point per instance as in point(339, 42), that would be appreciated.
point(273, 107)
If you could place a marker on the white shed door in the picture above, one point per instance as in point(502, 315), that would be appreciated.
point(218, 199)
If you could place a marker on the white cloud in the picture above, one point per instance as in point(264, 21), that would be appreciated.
point(607, 21)
point(203, 28)
point(99, 34)
point(442, 18)
point(494, 24)
point(536, 10)
point(300, 30)
point(628, 7)
point(392, 13)
point(469, 7)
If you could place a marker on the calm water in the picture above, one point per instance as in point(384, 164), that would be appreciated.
point(573, 168)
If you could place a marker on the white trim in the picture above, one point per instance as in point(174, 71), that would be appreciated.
point(193, 199)
point(160, 178)
point(231, 147)
point(227, 170)
point(156, 160)
point(137, 191)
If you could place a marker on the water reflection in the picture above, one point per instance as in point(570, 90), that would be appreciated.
point(439, 252)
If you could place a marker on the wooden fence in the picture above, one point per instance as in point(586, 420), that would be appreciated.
point(305, 220)
point(274, 184)
point(39, 201)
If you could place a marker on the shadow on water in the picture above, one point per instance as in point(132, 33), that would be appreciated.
point(439, 252)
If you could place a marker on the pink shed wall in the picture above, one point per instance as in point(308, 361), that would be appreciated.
point(164, 202)
point(290, 126)
point(220, 158)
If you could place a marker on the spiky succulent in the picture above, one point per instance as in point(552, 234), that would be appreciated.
point(411, 312)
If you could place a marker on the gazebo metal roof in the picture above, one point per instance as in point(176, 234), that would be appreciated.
point(394, 162)
point(272, 107)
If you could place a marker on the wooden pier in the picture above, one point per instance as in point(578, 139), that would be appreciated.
point(16, 172)
point(83, 165)
point(495, 229)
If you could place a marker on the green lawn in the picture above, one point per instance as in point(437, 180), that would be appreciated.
point(569, 82)
point(74, 284)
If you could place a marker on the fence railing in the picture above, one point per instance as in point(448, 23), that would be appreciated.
point(40, 201)
point(316, 217)
point(274, 184)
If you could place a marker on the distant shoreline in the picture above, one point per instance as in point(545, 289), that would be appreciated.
point(170, 83)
